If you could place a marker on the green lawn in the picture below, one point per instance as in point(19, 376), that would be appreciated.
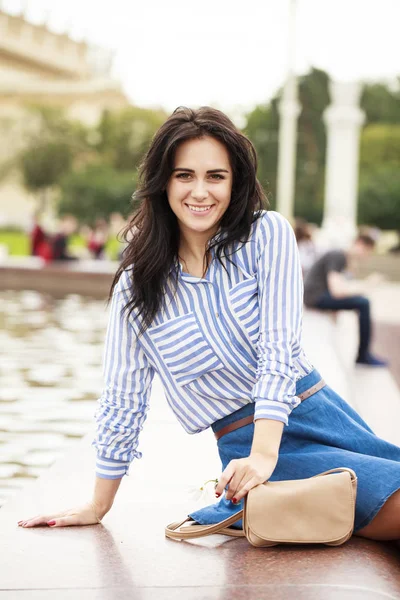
point(18, 244)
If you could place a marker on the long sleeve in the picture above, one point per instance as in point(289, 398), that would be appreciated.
point(123, 405)
point(280, 288)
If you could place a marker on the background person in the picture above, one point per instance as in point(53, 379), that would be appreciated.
point(67, 227)
point(97, 239)
point(326, 287)
point(40, 241)
point(119, 229)
point(305, 244)
point(37, 236)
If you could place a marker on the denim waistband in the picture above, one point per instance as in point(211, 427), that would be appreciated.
point(302, 385)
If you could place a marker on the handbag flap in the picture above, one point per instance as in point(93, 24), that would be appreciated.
point(318, 509)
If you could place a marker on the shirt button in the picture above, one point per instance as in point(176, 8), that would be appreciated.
point(217, 315)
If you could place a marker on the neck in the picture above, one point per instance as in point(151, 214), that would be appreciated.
point(193, 247)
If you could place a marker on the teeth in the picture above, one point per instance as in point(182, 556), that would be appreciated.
point(198, 209)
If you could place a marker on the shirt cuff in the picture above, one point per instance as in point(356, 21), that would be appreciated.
point(272, 409)
point(108, 468)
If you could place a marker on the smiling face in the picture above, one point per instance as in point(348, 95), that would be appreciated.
point(199, 188)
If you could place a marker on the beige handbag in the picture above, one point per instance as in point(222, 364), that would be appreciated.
point(317, 510)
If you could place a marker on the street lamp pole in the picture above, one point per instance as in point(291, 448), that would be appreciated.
point(289, 110)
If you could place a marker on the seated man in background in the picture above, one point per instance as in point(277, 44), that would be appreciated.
point(327, 288)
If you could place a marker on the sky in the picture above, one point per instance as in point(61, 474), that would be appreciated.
point(225, 53)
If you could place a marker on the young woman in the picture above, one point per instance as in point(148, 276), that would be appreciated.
point(209, 296)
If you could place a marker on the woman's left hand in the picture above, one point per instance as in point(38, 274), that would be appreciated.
point(242, 474)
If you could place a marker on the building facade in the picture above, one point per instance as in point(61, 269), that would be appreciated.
point(40, 67)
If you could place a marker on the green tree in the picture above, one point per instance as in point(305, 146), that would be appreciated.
point(380, 145)
point(123, 137)
point(381, 103)
point(96, 192)
point(379, 198)
point(262, 127)
point(379, 191)
point(43, 166)
point(311, 145)
point(52, 145)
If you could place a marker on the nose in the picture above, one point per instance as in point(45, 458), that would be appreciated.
point(199, 191)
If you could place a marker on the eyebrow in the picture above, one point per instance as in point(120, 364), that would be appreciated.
point(209, 171)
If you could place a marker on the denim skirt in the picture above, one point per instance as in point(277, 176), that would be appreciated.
point(324, 432)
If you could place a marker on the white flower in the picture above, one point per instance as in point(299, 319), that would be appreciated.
point(204, 495)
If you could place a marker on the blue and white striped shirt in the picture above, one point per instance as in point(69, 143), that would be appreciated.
point(220, 342)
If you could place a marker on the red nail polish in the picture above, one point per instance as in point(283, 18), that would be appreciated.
point(234, 500)
point(51, 523)
point(217, 495)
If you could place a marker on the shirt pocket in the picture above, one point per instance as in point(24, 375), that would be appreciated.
point(184, 349)
point(243, 299)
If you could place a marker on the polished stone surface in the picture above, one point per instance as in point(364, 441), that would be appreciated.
point(128, 555)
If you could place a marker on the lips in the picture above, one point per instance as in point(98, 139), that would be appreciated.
point(199, 210)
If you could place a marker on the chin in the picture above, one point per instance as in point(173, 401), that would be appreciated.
point(201, 227)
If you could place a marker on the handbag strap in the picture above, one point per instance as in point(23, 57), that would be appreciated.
point(196, 531)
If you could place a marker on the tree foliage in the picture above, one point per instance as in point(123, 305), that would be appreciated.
point(262, 127)
point(44, 164)
point(124, 136)
point(380, 150)
point(93, 168)
point(95, 192)
point(52, 144)
point(380, 145)
point(311, 145)
point(381, 103)
point(380, 198)
point(379, 192)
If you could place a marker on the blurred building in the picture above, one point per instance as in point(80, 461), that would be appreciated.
point(40, 67)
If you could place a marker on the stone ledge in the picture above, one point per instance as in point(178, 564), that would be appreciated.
point(87, 278)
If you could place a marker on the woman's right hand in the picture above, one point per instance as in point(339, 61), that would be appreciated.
point(86, 514)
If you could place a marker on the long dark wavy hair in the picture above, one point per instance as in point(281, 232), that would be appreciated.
point(153, 234)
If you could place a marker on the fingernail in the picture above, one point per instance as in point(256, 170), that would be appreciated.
point(51, 523)
point(234, 500)
point(217, 495)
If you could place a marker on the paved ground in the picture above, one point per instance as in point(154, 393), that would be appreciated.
point(387, 344)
